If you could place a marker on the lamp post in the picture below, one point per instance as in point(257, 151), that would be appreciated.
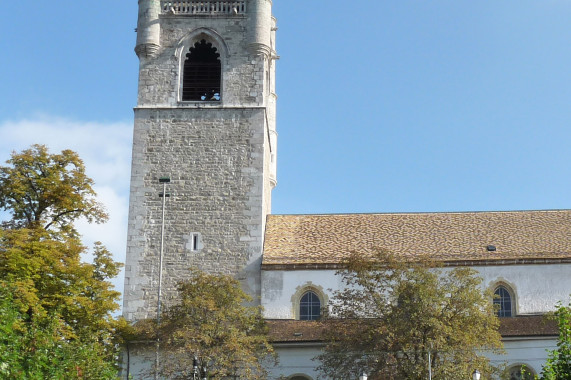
point(476, 375)
point(204, 377)
point(164, 195)
point(429, 364)
point(194, 368)
point(195, 372)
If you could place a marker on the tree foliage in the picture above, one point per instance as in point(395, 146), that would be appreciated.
point(213, 322)
point(558, 365)
point(38, 347)
point(48, 275)
point(60, 307)
point(46, 190)
point(393, 314)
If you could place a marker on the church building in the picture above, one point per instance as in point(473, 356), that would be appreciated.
point(203, 170)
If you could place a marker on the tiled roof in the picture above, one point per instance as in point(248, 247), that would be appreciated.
point(533, 325)
point(293, 331)
point(298, 240)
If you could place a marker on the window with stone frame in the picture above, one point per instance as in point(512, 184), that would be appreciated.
point(504, 301)
point(309, 306)
point(202, 73)
point(309, 301)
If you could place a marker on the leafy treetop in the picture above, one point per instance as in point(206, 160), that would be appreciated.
point(393, 314)
point(212, 321)
point(46, 190)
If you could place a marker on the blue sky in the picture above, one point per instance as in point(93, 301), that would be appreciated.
point(384, 106)
point(424, 106)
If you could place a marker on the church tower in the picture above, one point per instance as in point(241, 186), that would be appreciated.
point(205, 119)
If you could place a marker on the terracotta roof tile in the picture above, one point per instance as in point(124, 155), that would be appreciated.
point(533, 325)
point(457, 236)
point(292, 331)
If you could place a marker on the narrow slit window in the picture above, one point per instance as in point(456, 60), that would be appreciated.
point(202, 73)
point(194, 242)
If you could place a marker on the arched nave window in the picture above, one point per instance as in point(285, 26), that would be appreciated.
point(202, 73)
point(520, 372)
point(308, 302)
point(309, 307)
point(299, 377)
point(504, 301)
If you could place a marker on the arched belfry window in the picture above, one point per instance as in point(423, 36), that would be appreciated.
point(309, 306)
point(504, 301)
point(202, 73)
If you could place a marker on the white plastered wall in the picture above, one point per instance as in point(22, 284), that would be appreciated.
point(537, 288)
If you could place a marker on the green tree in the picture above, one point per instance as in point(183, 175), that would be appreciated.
point(48, 276)
point(212, 322)
point(558, 365)
point(393, 315)
point(61, 307)
point(38, 347)
point(46, 190)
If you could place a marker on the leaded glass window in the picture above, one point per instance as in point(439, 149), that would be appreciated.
point(503, 298)
point(309, 307)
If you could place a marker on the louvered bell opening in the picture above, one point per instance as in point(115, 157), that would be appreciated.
point(201, 81)
point(202, 73)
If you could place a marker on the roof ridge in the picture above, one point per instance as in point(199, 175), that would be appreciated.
point(430, 212)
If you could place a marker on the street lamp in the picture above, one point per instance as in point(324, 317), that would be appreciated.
point(363, 376)
point(204, 377)
point(164, 195)
point(476, 375)
point(198, 373)
point(194, 367)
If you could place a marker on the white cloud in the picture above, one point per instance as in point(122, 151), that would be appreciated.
point(106, 151)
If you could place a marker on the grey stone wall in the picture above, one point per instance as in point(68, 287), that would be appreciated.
point(215, 161)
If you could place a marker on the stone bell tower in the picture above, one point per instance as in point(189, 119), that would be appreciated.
point(205, 118)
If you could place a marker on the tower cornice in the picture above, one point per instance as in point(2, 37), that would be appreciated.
point(147, 50)
point(260, 49)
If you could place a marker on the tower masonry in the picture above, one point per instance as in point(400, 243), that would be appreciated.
point(205, 118)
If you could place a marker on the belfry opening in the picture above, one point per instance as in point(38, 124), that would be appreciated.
point(202, 73)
